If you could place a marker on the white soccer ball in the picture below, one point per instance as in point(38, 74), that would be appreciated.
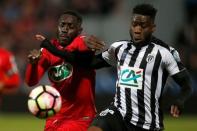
point(44, 101)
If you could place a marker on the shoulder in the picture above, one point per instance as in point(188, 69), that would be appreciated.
point(165, 49)
point(160, 43)
point(78, 44)
point(78, 41)
point(162, 46)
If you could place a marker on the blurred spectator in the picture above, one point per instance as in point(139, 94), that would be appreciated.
point(187, 44)
point(9, 76)
point(190, 9)
point(94, 6)
point(186, 41)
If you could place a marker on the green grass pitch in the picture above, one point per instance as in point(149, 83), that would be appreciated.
point(183, 123)
point(27, 122)
point(20, 122)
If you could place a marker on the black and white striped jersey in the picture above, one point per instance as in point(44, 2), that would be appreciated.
point(142, 74)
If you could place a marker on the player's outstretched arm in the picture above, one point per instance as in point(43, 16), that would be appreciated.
point(183, 80)
point(63, 54)
point(34, 70)
point(45, 43)
point(85, 59)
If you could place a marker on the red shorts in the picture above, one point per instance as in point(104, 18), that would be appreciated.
point(53, 124)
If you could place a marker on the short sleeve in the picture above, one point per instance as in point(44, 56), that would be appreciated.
point(173, 62)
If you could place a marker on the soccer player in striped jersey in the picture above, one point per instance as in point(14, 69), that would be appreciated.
point(144, 64)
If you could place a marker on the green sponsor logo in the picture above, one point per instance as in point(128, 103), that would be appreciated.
point(60, 72)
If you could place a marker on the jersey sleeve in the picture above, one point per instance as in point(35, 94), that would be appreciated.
point(173, 62)
point(110, 54)
point(34, 72)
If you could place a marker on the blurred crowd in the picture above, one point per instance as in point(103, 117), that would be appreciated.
point(20, 20)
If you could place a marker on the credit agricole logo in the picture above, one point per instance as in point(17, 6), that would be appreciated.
point(131, 77)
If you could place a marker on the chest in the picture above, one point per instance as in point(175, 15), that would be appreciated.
point(144, 58)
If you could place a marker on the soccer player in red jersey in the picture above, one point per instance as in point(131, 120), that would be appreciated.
point(9, 76)
point(75, 84)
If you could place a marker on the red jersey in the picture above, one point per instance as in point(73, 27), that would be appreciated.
point(9, 75)
point(75, 84)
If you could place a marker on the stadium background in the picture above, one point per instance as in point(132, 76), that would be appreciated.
point(20, 20)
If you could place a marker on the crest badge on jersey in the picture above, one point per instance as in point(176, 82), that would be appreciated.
point(60, 72)
point(150, 58)
point(130, 77)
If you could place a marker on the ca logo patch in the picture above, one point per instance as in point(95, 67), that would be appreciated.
point(130, 77)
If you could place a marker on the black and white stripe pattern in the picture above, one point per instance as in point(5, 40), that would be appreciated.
point(141, 107)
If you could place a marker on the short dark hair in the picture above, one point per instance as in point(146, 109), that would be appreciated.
point(145, 9)
point(73, 13)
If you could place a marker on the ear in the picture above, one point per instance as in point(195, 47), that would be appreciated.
point(80, 30)
point(153, 28)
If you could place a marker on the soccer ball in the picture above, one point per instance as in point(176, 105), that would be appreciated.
point(44, 101)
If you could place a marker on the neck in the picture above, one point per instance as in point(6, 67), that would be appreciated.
point(143, 43)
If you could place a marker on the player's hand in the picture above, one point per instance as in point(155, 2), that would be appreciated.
point(175, 111)
point(34, 56)
point(39, 37)
point(94, 43)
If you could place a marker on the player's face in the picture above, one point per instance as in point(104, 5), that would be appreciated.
point(141, 28)
point(68, 29)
